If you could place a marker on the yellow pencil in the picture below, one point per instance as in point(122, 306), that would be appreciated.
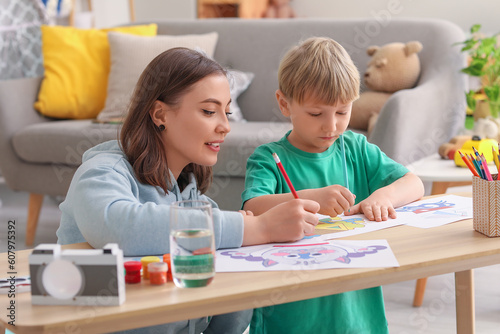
point(495, 158)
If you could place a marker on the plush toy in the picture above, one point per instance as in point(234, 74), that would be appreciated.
point(392, 67)
point(279, 9)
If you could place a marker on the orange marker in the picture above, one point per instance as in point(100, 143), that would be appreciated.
point(467, 162)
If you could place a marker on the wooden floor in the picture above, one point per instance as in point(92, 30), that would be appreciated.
point(437, 314)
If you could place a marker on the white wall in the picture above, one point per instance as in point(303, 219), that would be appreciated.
point(165, 9)
point(464, 13)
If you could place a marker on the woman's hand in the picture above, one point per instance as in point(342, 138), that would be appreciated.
point(289, 221)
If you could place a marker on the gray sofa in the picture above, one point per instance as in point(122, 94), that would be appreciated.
point(40, 155)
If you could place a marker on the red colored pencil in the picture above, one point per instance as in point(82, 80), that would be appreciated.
point(285, 175)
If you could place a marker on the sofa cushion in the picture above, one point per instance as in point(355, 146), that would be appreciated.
point(242, 141)
point(76, 63)
point(61, 142)
point(64, 142)
point(239, 82)
point(127, 66)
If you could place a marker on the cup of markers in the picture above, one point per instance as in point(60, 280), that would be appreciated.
point(478, 164)
point(485, 193)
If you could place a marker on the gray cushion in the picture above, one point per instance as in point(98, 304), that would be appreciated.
point(61, 142)
point(64, 142)
point(242, 141)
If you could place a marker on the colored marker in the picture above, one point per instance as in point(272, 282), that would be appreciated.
point(285, 175)
point(486, 169)
point(467, 162)
point(479, 163)
point(478, 158)
point(476, 165)
point(344, 163)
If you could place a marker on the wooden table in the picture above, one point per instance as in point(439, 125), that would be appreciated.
point(451, 248)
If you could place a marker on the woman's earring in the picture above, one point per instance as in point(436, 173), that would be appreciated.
point(161, 127)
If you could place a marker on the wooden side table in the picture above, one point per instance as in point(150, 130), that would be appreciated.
point(443, 174)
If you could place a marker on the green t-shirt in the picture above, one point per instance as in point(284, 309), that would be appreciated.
point(368, 169)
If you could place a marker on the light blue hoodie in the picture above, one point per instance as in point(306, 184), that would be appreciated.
point(106, 203)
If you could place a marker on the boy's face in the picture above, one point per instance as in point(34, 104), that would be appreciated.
point(316, 126)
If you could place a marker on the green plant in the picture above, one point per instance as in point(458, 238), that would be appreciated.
point(484, 53)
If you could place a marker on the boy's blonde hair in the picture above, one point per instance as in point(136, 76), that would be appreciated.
point(319, 68)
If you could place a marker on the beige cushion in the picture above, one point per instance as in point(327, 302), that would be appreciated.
point(129, 57)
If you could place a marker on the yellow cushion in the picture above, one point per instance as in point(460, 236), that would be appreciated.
point(77, 63)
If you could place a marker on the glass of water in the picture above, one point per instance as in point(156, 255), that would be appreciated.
point(192, 245)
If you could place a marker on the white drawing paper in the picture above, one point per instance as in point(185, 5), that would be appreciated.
point(436, 211)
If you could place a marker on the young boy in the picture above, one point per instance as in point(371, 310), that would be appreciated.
point(317, 84)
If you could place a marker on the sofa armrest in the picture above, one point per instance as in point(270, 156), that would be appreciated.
point(16, 112)
point(16, 104)
point(415, 122)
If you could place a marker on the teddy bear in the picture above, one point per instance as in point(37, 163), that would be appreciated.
point(392, 67)
point(279, 9)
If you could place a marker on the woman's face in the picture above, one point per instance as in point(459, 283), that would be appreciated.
point(196, 128)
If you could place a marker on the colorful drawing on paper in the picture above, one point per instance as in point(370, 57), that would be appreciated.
point(321, 255)
point(451, 213)
point(437, 211)
point(307, 239)
point(426, 207)
point(338, 224)
point(343, 226)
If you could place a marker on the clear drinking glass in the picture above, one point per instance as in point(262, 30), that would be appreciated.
point(192, 244)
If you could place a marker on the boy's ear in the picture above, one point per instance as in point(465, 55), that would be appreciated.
point(283, 103)
point(158, 113)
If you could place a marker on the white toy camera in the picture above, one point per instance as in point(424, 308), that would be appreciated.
point(77, 276)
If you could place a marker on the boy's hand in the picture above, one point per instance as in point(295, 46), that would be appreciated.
point(289, 221)
point(333, 200)
point(375, 207)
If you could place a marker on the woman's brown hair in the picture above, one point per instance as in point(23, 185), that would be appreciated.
point(167, 78)
point(320, 68)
